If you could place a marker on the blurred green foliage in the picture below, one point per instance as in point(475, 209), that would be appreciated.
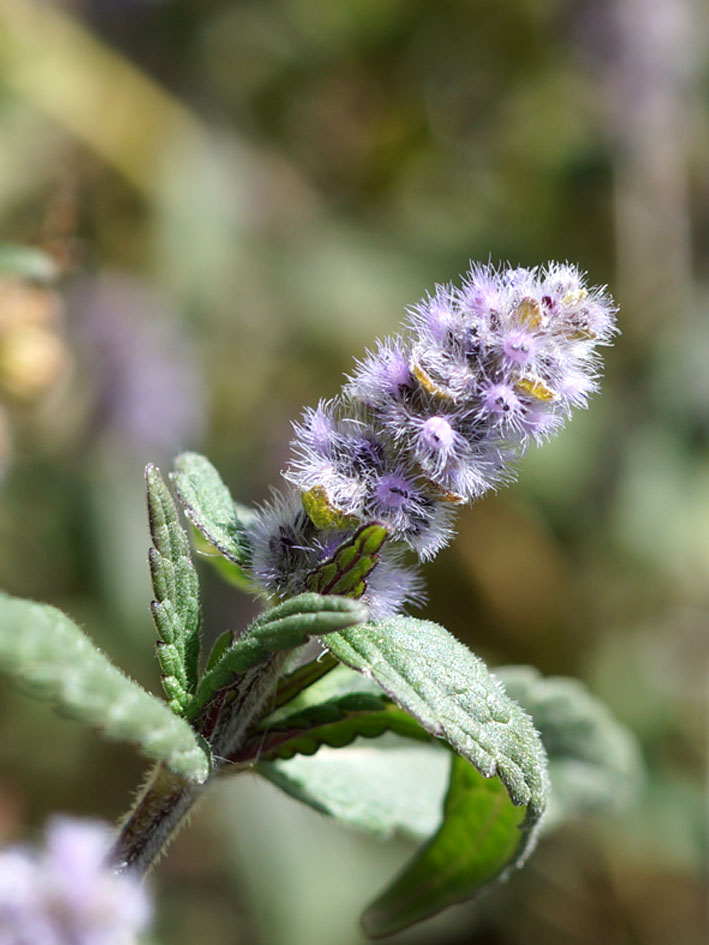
point(239, 197)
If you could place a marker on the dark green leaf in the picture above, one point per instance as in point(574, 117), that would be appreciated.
point(475, 844)
point(52, 659)
point(209, 506)
point(176, 611)
point(347, 570)
point(284, 627)
point(397, 789)
point(594, 761)
point(333, 712)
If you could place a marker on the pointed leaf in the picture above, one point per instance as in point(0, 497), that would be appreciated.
point(385, 791)
point(221, 645)
point(284, 627)
point(209, 506)
point(51, 658)
point(176, 611)
point(453, 696)
point(475, 844)
point(594, 761)
point(347, 570)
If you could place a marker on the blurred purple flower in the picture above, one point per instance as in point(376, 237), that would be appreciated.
point(147, 382)
point(65, 894)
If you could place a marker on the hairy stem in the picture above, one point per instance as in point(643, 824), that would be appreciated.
point(167, 798)
point(160, 810)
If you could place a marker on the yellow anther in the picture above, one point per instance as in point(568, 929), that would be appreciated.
point(535, 388)
point(437, 490)
point(529, 313)
point(427, 382)
point(579, 333)
point(574, 297)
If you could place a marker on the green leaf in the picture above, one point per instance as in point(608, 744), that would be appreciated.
point(427, 672)
point(221, 645)
point(176, 611)
point(284, 627)
point(51, 658)
point(348, 568)
point(594, 761)
point(209, 506)
point(476, 842)
point(385, 791)
point(332, 712)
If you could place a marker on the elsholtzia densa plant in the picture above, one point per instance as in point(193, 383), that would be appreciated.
point(428, 421)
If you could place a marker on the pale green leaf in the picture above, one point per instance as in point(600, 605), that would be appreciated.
point(51, 658)
point(27, 262)
point(302, 677)
point(426, 671)
point(397, 789)
point(594, 761)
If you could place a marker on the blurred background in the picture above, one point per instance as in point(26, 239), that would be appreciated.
point(221, 202)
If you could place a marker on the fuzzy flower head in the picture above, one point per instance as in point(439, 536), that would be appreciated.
point(65, 894)
point(436, 416)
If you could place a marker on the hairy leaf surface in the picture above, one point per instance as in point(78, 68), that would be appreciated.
point(175, 610)
point(51, 658)
point(284, 627)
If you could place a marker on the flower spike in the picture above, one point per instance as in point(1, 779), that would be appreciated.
point(433, 418)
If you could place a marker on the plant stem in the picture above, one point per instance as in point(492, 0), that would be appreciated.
point(167, 798)
point(160, 810)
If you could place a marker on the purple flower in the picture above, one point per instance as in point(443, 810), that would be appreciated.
point(66, 894)
point(434, 418)
point(519, 346)
point(382, 375)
